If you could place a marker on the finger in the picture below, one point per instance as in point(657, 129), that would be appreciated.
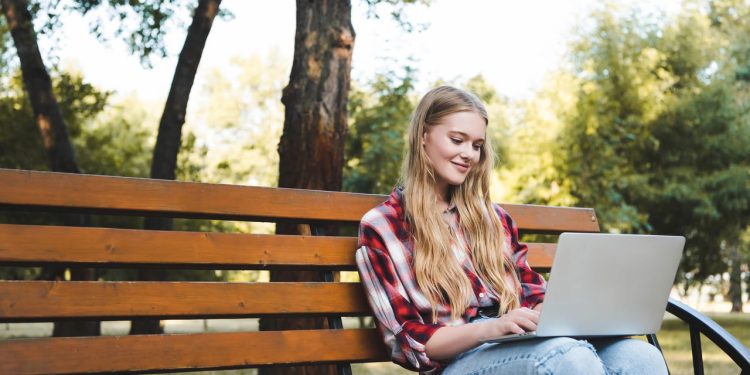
point(525, 313)
point(515, 328)
point(526, 324)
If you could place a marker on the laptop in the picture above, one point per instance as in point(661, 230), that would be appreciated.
point(607, 285)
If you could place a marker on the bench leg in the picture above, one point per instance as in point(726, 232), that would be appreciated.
point(695, 345)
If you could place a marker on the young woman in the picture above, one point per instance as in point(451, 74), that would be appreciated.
point(443, 267)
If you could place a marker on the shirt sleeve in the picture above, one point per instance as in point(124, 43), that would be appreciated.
point(404, 331)
point(533, 285)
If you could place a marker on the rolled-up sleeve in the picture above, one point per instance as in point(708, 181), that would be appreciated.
point(533, 285)
point(403, 328)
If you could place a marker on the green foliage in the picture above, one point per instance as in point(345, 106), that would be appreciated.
point(378, 123)
point(20, 140)
point(379, 116)
point(118, 141)
point(398, 11)
point(529, 173)
point(499, 127)
point(655, 136)
point(143, 24)
point(240, 120)
point(622, 88)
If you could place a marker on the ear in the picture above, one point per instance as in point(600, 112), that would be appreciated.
point(424, 137)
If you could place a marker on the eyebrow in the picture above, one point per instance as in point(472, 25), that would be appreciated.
point(465, 135)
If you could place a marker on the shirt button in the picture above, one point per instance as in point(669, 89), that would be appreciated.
point(481, 295)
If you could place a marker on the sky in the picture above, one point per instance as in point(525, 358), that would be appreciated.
point(513, 44)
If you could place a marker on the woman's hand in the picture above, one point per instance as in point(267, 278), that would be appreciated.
point(516, 321)
point(448, 341)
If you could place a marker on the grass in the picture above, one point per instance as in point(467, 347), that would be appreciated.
point(674, 338)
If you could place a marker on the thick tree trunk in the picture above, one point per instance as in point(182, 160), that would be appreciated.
point(49, 120)
point(735, 279)
point(311, 149)
point(38, 86)
point(168, 140)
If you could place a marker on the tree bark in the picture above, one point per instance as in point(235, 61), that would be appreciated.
point(54, 131)
point(168, 140)
point(311, 149)
point(38, 86)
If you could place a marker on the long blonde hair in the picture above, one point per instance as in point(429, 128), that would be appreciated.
point(438, 272)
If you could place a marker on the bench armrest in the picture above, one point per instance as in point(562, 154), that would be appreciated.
point(700, 323)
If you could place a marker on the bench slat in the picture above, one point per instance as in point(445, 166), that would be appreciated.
point(48, 300)
point(135, 196)
point(36, 244)
point(533, 218)
point(189, 351)
point(100, 247)
point(138, 196)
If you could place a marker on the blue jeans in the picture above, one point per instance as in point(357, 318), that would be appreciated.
point(561, 356)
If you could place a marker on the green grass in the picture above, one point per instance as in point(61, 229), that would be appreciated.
point(674, 338)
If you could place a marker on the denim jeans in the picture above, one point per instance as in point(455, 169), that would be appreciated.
point(561, 356)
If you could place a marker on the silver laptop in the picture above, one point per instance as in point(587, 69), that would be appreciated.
point(607, 285)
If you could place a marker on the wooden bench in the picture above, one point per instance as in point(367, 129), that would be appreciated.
point(25, 245)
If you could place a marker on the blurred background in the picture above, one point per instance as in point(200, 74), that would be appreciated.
point(639, 109)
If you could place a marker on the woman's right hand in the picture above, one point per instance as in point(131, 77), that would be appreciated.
point(449, 341)
point(519, 320)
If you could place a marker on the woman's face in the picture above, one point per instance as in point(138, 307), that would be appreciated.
point(454, 146)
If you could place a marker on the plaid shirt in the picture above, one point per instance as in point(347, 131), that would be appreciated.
point(403, 313)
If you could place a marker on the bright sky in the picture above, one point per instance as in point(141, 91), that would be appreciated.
point(512, 43)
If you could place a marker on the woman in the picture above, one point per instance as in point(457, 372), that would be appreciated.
point(443, 267)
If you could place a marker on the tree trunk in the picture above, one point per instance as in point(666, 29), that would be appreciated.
point(164, 162)
point(49, 119)
point(38, 86)
point(735, 279)
point(311, 150)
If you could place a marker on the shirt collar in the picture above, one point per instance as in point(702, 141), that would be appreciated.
point(397, 196)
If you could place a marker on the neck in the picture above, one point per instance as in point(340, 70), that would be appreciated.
point(443, 198)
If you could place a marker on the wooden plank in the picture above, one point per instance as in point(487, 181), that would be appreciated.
point(38, 245)
point(189, 351)
point(135, 196)
point(536, 218)
point(541, 255)
point(48, 300)
point(138, 196)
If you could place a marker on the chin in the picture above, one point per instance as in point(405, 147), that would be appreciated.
point(457, 181)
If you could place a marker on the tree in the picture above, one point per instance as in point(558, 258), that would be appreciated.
point(530, 173)
point(241, 119)
point(375, 146)
point(49, 119)
point(656, 137)
point(168, 139)
point(38, 84)
point(311, 152)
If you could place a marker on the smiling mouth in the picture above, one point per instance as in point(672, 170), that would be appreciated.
point(462, 167)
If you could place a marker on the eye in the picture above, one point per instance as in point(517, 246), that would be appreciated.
point(478, 147)
point(456, 141)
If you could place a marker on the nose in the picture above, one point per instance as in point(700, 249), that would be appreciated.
point(468, 153)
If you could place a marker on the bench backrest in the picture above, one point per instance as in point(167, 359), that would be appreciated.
point(45, 301)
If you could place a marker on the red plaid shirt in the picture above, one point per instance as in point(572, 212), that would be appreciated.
point(403, 313)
